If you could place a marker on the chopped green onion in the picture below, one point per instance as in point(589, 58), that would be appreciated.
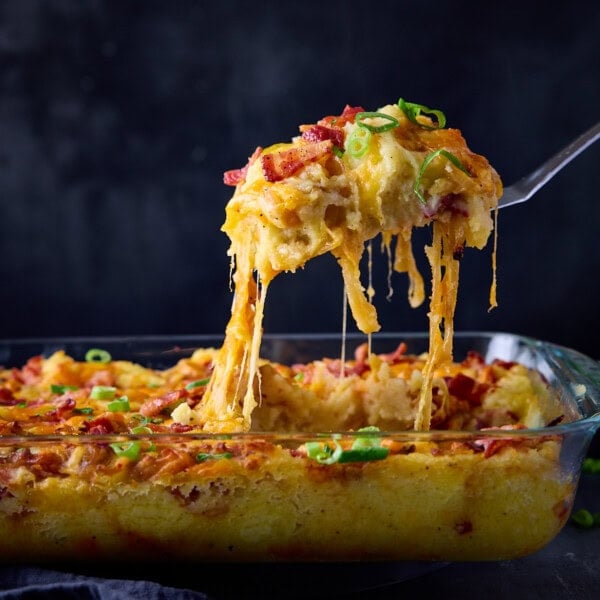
point(61, 389)
point(412, 111)
point(358, 142)
point(86, 410)
point(145, 420)
point(364, 454)
point(97, 355)
point(141, 429)
point(339, 152)
point(583, 518)
point(21, 404)
point(370, 441)
point(119, 405)
point(204, 456)
point(361, 116)
point(324, 454)
point(364, 448)
point(196, 384)
point(430, 157)
point(591, 465)
point(298, 377)
point(103, 392)
point(131, 450)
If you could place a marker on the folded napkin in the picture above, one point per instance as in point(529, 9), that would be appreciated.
point(30, 583)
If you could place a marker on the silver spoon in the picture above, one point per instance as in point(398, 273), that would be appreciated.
point(523, 189)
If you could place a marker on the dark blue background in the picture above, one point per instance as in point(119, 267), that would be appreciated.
point(117, 120)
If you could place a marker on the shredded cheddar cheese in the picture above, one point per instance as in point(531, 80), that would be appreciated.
point(298, 200)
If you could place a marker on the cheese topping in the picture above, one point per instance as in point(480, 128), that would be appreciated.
point(332, 189)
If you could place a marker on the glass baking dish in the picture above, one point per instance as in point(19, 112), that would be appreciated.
point(432, 500)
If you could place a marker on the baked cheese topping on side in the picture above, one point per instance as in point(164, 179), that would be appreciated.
point(343, 181)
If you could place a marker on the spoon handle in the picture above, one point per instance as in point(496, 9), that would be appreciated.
point(526, 187)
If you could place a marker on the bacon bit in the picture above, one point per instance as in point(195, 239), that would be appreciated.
point(31, 372)
point(505, 364)
point(396, 355)
point(42, 464)
point(236, 176)
point(180, 428)
point(320, 133)
point(561, 509)
point(64, 408)
point(466, 388)
point(98, 426)
point(473, 360)
point(155, 406)
point(348, 115)
point(169, 461)
point(7, 398)
point(492, 446)
point(463, 527)
point(103, 377)
point(280, 165)
point(458, 252)
point(360, 355)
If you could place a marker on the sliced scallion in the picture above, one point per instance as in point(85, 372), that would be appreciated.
point(358, 142)
point(85, 410)
point(61, 389)
point(583, 517)
point(364, 454)
point(196, 384)
point(428, 159)
point(324, 453)
point(204, 456)
point(392, 122)
point(591, 465)
point(129, 450)
point(413, 110)
point(119, 405)
point(103, 392)
point(97, 355)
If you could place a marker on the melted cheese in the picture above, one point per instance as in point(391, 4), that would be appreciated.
point(336, 204)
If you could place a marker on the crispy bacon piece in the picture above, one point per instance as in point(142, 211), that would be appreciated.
point(7, 398)
point(235, 176)
point(98, 426)
point(31, 372)
point(493, 445)
point(155, 406)
point(320, 133)
point(61, 412)
point(464, 387)
point(348, 115)
point(285, 163)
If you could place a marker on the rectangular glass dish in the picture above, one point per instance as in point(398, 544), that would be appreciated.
point(438, 495)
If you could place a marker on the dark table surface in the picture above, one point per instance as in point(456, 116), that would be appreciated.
point(569, 567)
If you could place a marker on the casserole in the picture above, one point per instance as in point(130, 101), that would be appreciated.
point(436, 496)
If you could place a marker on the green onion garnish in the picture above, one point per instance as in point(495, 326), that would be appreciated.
point(584, 518)
point(364, 454)
point(339, 152)
point(591, 465)
point(196, 384)
point(141, 429)
point(204, 456)
point(364, 449)
point(361, 116)
point(358, 142)
point(21, 404)
point(119, 405)
point(61, 389)
point(324, 454)
point(86, 410)
point(103, 392)
point(412, 111)
point(131, 450)
point(97, 355)
point(430, 157)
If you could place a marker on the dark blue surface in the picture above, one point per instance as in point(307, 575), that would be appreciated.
point(117, 120)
